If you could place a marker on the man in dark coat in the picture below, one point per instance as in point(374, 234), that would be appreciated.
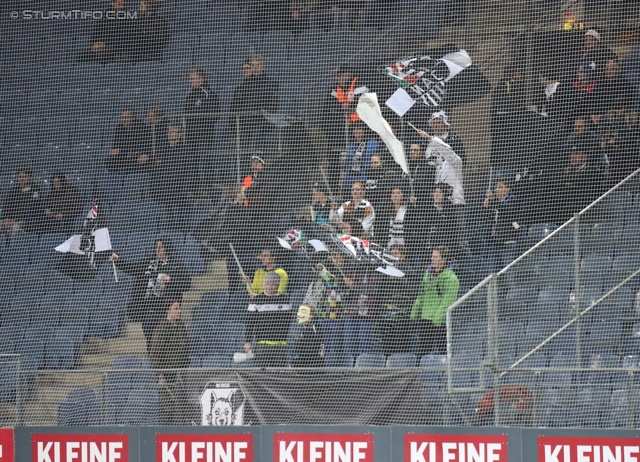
point(62, 205)
point(595, 54)
point(423, 174)
point(173, 169)
point(201, 110)
point(509, 103)
point(113, 37)
point(158, 279)
point(309, 346)
point(22, 211)
point(152, 32)
point(169, 351)
point(505, 215)
point(157, 127)
point(339, 108)
point(614, 91)
point(257, 92)
point(131, 144)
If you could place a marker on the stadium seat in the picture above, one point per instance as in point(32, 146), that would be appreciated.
point(338, 359)
point(46, 248)
point(552, 302)
point(537, 360)
point(107, 319)
point(238, 303)
point(18, 253)
point(592, 270)
point(619, 410)
point(199, 212)
point(604, 337)
point(117, 385)
point(619, 306)
point(370, 360)
point(602, 239)
point(59, 353)
point(213, 308)
point(589, 406)
point(190, 257)
point(433, 401)
point(539, 231)
point(232, 337)
point(465, 373)
point(560, 378)
point(81, 306)
point(59, 283)
point(7, 288)
point(402, 360)
point(624, 265)
point(49, 309)
point(469, 340)
point(80, 409)
point(536, 333)
point(22, 305)
point(141, 408)
point(9, 379)
point(556, 408)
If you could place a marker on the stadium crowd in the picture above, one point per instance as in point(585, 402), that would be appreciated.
point(585, 125)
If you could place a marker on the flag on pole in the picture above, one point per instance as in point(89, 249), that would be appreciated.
point(369, 112)
point(417, 85)
point(93, 239)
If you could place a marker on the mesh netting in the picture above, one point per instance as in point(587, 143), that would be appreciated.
point(273, 212)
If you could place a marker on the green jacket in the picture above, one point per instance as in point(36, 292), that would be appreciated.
point(436, 295)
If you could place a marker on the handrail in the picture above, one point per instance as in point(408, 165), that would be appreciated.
point(464, 298)
point(537, 245)
point(563, 328)
point(587, 208)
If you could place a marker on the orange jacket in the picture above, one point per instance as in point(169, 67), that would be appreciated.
point(246, 184)
point(349, 97)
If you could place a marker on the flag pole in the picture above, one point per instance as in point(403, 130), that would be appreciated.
point(115, 273)
point(233, 251)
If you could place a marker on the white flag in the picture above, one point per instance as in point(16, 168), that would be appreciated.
point(369, 112)
point(101, 239)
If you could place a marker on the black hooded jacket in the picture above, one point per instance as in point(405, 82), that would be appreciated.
point(201, 100)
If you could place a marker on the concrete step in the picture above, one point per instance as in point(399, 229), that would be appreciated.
point(215, 278)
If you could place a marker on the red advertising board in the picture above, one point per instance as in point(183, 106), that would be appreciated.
point(588, 449)
point(455, 448)
point(51, 447)
point(208, 447)
point(6, 445)
point(322, 447)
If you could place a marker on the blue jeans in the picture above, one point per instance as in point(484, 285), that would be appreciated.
point(358, 335)
point(333, 337)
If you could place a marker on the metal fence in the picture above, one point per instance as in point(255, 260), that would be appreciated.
point(560, 320)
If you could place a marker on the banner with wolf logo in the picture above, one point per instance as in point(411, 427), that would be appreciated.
point(222, 405)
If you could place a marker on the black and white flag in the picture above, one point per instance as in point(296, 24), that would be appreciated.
point(434, 80)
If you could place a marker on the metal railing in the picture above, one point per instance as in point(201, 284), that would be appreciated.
point(495, 307)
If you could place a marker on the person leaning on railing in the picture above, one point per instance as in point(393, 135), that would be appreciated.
point(439, 290)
